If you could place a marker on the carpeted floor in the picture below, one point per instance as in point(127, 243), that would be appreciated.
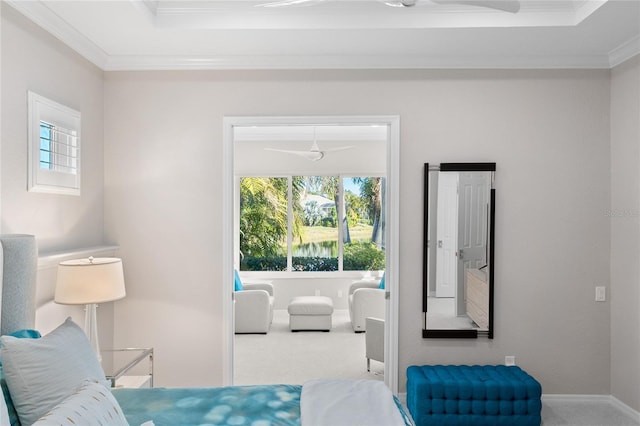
point(285, 357)
point(584, 412)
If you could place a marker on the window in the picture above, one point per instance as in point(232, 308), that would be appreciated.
point(54, 147)
point(301, 224)
point(316, 246)
point(263, 223)
point(364, 241)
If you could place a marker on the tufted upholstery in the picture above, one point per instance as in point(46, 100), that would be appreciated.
point(473, 395)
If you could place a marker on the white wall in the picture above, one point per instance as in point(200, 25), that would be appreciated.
point(548, 131)
point(285, 289)
point(625, 233)
point(33, 60)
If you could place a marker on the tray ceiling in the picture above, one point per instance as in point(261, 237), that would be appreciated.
point(244, 34)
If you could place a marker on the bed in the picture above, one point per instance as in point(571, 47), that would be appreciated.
point(57, 379)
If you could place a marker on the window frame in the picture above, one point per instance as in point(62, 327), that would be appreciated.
point(289, 273)
point(57, 116)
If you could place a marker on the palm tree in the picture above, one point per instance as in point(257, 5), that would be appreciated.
point(372, 192)
point(263, 216)
point(329, 186)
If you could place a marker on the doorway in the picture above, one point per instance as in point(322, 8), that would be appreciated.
point(391, 147)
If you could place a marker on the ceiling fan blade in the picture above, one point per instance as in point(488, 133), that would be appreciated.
point(340, 148)
point(512, 6)
point(282, 3)
point(287, 151)
point(309, 155)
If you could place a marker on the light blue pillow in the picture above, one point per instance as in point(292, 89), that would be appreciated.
point(4, 413)
point(381, 286)
point(237, 284)
point(11, 409)
point(41, 373)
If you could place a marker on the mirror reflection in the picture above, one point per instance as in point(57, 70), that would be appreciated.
point(458, 249)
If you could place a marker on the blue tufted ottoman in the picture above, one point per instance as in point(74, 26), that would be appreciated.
point(473, 395)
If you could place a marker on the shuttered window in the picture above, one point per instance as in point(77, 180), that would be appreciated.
point(58, 148)
point(54, 147)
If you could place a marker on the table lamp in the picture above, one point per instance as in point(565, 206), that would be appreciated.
point(89, 282)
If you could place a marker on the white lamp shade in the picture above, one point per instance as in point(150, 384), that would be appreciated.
point(86, 281)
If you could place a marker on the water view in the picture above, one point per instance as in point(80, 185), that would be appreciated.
point(316, 249)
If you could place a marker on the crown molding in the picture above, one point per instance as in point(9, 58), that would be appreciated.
point(60, 29)
point(273, 62)
point(624, 52)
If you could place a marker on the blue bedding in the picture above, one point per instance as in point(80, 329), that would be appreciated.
point(259, 405)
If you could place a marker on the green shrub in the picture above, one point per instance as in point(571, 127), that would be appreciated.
point(363, 256)
point(276, 263)
point(315, 264)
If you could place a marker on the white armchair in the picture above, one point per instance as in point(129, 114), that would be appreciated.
point(374, 340)
point(254, 308)
point(365, 300)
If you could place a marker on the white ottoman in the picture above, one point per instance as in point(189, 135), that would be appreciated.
point(310, 313)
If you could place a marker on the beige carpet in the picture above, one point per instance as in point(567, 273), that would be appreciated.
point(285, 357)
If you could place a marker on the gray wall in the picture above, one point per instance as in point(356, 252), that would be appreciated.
point(625, 232)
point(33, 60)
point(549, 132)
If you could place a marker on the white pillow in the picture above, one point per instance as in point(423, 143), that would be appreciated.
point(41, 373)
point(91, 404)
point(4, 411)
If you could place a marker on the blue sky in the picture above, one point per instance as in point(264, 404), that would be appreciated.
point(350, 186)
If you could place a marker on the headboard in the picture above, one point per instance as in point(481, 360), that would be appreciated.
point(19, 257)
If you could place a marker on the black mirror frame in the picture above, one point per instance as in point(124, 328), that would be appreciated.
point(459, 334)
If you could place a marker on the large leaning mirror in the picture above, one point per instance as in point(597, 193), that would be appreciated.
point(459, 219)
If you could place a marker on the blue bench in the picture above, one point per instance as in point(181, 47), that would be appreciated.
point(464, 395)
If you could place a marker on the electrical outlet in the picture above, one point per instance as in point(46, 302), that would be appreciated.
point(601, 294)
point(509, 360)
point(339, 293)
point(317, 292)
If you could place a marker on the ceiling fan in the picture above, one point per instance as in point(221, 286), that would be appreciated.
point(313, 154)
point(512, 6)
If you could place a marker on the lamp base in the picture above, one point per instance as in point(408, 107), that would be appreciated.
point(91, 328)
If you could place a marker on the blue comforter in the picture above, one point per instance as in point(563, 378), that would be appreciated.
point(260, 405)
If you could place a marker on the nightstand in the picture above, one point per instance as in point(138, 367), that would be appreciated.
point(125, 367)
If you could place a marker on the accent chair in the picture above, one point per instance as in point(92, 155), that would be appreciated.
point(366, 299)
point(253, 304)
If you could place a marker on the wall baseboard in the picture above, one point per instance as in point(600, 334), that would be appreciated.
point(402, 397)
point(594, 398)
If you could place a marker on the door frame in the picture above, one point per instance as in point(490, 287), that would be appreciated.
point(447, 208)
point(392, 229)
